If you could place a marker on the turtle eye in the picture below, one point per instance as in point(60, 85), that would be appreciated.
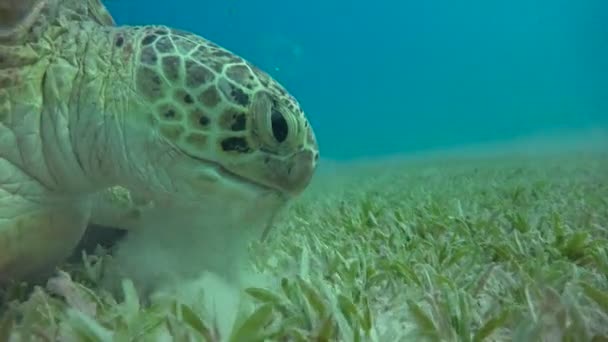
point(280, 128)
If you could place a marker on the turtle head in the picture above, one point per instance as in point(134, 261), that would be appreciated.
point(225, 123)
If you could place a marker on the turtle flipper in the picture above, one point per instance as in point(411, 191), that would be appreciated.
point(35, 236)
point(115, 211)
point(117, 207)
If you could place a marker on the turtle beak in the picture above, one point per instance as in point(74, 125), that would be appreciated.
point(297, 177)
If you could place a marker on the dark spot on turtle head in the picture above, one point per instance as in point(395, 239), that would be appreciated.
point(235, 144)
point(188, 99)
point(203, 120)
point(239, 96)
point(149, 39)
point(239, 122)
point(119, 41)
point(161, 32)
point(199, 118)
point(156, 80)
point(169, 114)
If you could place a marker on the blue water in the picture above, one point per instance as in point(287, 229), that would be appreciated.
point(386, 77)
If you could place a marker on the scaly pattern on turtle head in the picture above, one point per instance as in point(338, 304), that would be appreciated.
point(218, 109)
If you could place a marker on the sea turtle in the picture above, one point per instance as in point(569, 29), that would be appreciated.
point(94, 115)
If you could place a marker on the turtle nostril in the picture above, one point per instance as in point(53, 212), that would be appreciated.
point(280, 129)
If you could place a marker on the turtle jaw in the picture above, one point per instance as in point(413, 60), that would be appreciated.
point(289, 175)
point(286, 178)
point(220, 172)
point(185, 181)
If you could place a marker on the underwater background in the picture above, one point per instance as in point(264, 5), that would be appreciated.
point(393, 77)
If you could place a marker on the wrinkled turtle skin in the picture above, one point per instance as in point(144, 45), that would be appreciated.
point(98, 121)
